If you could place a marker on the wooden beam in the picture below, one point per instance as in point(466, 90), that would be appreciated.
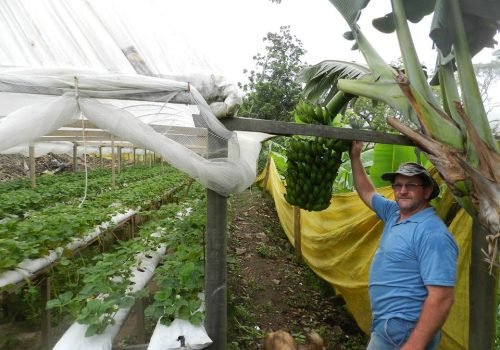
point(75, 147)
point(73, 127)
point(103, 135)
point(140, 321)
point(482, 294)
point(180, 97)
point(296, 231)
point(287, 129)
point(100, 157)
point(216, 263)
point(72, 138)
point(120, 159)
point(216, 270)
point(32, 166)
point(87, 124)
point(46, 326)
point(105, 143)
point(113, 164)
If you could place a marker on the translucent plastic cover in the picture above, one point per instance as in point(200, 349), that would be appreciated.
point(223, 166)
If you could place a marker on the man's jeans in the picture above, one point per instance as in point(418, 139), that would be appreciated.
point(391, 334)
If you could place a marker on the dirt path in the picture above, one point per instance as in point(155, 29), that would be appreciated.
point(271, 289)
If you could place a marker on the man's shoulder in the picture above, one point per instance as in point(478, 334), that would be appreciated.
point(380, 200)
point(429, 218)
point(384, 207)
point(434, 229)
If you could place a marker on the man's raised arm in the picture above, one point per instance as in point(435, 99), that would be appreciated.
point(362, 182)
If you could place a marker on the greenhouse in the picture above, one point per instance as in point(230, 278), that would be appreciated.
point(131, 221)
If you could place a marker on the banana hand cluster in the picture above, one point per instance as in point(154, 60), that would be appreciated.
point(311, 114)
point(312, 165)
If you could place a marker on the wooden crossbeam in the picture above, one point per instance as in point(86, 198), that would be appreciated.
point(287, 129)
point(193, 138)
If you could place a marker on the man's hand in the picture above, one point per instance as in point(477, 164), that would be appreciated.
point(356, 148)
point(436, 307)
point(362, 183)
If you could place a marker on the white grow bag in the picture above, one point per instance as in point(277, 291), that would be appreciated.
point(74, 338)
point(169, 337)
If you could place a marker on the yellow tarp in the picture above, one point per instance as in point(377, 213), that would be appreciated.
point(338, 245)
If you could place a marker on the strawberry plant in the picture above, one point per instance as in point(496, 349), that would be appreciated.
point(180, 277)
point(56, 226)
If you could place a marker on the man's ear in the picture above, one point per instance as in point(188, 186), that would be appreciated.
point(428, 192)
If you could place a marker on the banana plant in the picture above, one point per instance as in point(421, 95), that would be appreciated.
point(454, 135)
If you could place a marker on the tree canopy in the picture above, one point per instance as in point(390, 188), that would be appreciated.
point(273, 88)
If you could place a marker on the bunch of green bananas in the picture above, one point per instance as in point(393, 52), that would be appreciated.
point(307, 113)
point(312, 165)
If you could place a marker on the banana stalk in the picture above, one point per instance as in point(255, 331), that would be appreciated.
point(413, 67)
point(337, 103)
point(473, 102)
point(386, 91)
point(434, 122)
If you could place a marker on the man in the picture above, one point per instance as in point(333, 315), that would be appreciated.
point(414, 268)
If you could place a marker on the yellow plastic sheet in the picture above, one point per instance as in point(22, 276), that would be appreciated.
point(339, 242)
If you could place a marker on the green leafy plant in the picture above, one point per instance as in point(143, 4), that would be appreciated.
point(56, 226)
point(180, 277)
point(265, 250)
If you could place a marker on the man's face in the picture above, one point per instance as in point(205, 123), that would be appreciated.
point(410, 193)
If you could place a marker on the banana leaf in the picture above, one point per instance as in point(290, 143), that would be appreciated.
point(455, 137)
point(321, 78)
point(388, 157)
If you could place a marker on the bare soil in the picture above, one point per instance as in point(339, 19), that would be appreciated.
point(271, 288)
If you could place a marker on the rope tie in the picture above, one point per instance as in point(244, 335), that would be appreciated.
point(77, 97)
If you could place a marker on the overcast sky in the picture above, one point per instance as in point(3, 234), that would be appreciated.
point(230, 32)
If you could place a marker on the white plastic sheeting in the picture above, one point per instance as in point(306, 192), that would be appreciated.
point(117, 36)
point(99, 35)
point(229, 168)
point(156, 113)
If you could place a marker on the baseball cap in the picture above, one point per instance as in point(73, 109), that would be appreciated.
point(412, 169)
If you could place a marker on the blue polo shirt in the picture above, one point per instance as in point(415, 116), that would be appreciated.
point(413, 253)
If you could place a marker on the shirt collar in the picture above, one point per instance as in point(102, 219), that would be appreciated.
point(419, 216)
